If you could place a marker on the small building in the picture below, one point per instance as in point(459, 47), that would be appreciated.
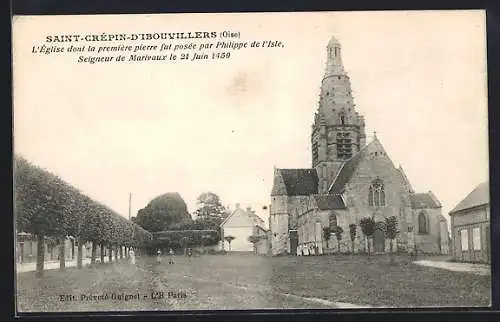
point(470, 226)
point(243, 225)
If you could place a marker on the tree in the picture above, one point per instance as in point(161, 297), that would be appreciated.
point(255, 239)
point(210, 213)
point(229, 239)
point(51, 209)
point(163, 212)
point(352, 232)
point(338, 233)
point(42, 206)
point(327, 232)
point(368, 227)
point(391, 232)
point(209, 206)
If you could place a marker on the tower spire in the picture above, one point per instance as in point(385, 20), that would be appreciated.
point(338, 131)
point(334, 64)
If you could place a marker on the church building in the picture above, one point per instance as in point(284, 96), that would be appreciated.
point(349, 180)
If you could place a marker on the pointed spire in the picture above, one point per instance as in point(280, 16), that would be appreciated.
point(333, 42)
point(334, 58)
point(375, 135)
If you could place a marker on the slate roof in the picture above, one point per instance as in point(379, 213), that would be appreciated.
point(479, 196)
point(423, 200)
point(300, 182)
point(346, 172)
point(328, 202)
point(256, 219)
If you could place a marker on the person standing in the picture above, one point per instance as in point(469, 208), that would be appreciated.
point(158, 256)
point(171, 256)
point(131, 254)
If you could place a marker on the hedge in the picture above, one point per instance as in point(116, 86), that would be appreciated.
point(45, 205)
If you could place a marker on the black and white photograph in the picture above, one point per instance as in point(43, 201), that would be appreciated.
point(251, 161)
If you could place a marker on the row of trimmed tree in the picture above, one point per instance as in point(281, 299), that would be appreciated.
point(46, 206)
point(368, 227)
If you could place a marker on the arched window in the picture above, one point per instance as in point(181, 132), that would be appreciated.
point(422, 224)
point(376, 194)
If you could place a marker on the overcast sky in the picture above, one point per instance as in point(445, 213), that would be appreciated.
point(419, 79)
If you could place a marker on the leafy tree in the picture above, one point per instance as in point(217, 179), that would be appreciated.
point(352, 232)
point(338, 233)
point(255, 239)
point(368, 227)
point(210, 213)
point(327, 232)
point(229, 239)
point(209, 206)
point(163, 212)
point(41, 206)
point(51, 209)
point(391, 232)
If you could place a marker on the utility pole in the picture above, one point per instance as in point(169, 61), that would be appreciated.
point(129, 205)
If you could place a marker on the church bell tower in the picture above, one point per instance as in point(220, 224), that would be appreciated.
point(338, 131)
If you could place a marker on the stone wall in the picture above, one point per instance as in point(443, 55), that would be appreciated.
point(429, 242)
point(377, 165)
point(278, 224)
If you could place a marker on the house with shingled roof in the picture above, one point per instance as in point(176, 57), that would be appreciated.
point(470, 226)
point(349, 180)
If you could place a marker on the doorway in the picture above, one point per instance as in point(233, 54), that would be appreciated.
point(294, 242)
point(379, 240)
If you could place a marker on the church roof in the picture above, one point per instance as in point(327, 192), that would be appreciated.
point(478, 197)
point(300, 182)
point(405, 178)
point(346, 172)
point(423, 200)
point(328, 202)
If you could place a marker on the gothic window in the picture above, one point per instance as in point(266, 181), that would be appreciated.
point(422, 224)
point(376, 194)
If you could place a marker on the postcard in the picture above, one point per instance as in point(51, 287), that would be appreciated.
point(255, 161)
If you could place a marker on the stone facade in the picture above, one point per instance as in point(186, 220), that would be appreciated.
point(349, 180)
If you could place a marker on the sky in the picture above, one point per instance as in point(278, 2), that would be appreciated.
point(419, 78)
